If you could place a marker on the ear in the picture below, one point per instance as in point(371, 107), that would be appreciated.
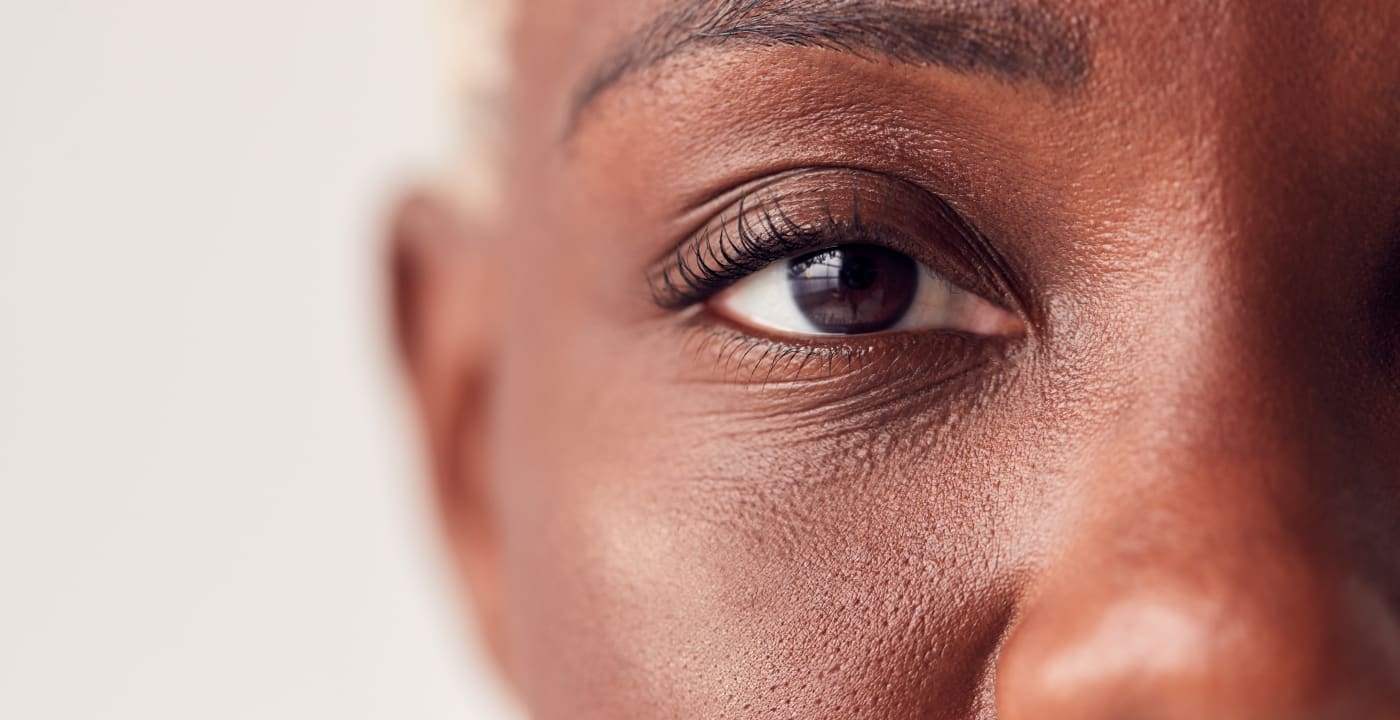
point(442, 298)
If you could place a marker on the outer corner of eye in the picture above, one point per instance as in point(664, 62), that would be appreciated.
point(857, 290)
point(979, 316)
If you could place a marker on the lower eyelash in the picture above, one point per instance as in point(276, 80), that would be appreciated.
point(741, 355)
point(828, 379)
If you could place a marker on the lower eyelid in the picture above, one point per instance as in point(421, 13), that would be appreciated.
point(819, 369)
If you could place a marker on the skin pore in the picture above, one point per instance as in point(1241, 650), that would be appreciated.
point(1086, 408)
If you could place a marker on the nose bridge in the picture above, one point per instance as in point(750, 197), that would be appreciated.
point(1209, 492)
point(1230, 361)
point(1213, 479)
point(1257, 243)
point(1223, 521)
point(1225, 394)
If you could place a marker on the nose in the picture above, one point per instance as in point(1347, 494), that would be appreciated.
point(1153, 652)
point(1225, 600)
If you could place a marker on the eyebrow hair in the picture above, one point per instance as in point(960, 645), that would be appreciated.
point(1006, 39)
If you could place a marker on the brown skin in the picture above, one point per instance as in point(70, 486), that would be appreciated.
point(1173, 496)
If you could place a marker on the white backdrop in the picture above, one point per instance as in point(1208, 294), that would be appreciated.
point(209, 504)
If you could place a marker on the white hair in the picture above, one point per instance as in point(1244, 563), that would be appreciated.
point(476, 40)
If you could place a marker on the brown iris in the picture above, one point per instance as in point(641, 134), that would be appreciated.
point(853, 289)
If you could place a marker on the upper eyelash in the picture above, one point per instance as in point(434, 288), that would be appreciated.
point(691, 277)
point(745, 246)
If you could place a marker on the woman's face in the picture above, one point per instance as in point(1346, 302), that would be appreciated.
point(930, 358)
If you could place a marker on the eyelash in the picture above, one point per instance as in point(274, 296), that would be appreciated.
point(707, 265)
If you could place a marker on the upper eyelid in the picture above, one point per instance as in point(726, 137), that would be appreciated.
point(704, 208)
point(731, 249)
point(766, 193)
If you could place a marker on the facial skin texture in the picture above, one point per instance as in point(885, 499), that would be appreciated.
point(1173, 496)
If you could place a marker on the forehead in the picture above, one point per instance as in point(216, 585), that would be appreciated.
point(561, 44)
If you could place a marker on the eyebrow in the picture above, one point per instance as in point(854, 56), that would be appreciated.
point(1005, 39)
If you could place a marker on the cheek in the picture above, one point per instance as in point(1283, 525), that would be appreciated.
point(672, 552)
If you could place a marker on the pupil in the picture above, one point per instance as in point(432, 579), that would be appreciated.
point(853, 289)
point(859, 273)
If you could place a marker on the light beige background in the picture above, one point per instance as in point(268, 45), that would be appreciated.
point(208, 505)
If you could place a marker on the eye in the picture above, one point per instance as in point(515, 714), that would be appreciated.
point(858, 289)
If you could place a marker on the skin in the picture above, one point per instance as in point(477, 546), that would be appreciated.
point(1174, 495)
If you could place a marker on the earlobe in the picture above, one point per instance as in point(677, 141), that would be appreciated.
point(442, 300)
